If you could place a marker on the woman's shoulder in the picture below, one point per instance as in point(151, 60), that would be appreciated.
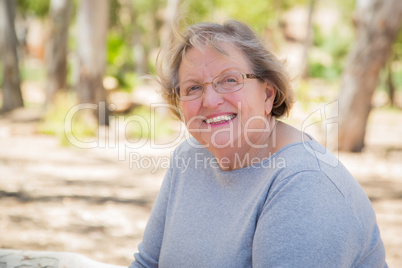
point(309, 159)
point(298, 157)
point(302, 152)
point(311, 163)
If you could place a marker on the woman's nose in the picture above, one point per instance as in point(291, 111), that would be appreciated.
point(211, 98)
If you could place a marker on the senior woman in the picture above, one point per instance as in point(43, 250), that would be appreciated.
point(247, 190)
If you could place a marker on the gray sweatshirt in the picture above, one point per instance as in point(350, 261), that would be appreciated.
point(298, 208)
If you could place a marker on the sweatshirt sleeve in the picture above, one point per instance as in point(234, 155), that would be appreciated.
point(149, 248)
point(306, 222)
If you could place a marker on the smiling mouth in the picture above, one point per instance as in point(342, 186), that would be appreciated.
point(219, 119)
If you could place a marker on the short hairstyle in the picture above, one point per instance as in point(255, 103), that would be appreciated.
point(262, 61)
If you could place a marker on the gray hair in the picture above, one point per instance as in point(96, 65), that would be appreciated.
point(262, 61)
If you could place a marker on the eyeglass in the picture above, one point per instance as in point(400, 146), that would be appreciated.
point(223, 83)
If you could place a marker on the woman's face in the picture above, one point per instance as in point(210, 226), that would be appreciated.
point(230, 123)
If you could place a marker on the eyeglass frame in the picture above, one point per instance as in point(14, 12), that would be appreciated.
point(244, 76)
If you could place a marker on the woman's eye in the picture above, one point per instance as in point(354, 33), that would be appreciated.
point(192, 89)
point(229, 80)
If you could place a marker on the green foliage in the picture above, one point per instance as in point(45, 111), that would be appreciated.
point(118, 59)
point(151, 68)
point(260, 14)
point(397, 79)
point(33, 72)
point(114, 13)
point(141, 123)
point(397, 47)
point(302, 94)
point(1, 84)
point(137, 22)
point(37, 8)
point(116, 49)
point(131, 80)
point(1, 75)
point(397, 62)
point(151, 124)
point(327, 57)
point(148, 19)
point(140, 22)
point(197, 11)
point(346, 8)
point(55, 119)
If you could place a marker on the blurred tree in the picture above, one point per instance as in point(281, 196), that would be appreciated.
point(133, 37)
point(27, 14)
point(393, 76)
point(12, 97)
point(389, 81)
point(140, 55)
point(39, 8)
point(126, 49)
point(171, 13)
point(92, 23)
point(57, 47)
point(308, 40)
point(144, 36)
point(263, 15)
point(377, 24)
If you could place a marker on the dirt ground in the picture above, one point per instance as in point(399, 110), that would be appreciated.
point(91, 202)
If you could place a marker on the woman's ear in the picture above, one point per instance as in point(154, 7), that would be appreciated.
point(270, 92)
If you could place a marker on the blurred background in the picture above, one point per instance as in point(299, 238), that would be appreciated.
point(85, 138)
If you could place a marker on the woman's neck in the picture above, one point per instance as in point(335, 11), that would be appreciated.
point(241, 157)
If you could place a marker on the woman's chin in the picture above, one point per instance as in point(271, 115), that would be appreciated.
point(221, 139)
point(222, 143)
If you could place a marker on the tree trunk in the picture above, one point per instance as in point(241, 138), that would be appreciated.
point(390, 83)
point(57, 47)
point(140, 55)
point(169, 19)
point(154, 27)
point(378, 23)
point(309, 39)
point(92, 23)
point(12, 97)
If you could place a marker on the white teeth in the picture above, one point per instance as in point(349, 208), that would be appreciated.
point(219, 119)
